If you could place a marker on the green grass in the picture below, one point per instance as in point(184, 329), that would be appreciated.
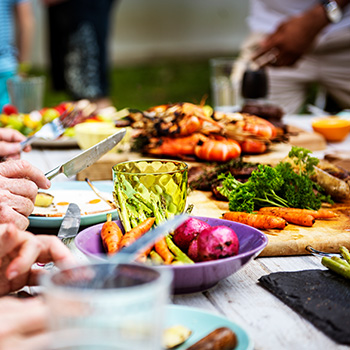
point(148, 85)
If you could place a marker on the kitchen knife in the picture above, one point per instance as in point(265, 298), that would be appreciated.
point(69, 227)
point(70, 223)
point(88, 157)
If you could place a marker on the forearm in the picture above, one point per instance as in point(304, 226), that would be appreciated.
point(25, 24)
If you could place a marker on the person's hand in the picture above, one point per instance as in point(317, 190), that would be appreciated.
point(19, 182)
point(293, 38)
point(10, 147)
point(19, 250)
point(23, 323)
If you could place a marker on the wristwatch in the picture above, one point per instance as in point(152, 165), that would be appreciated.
point(333, 11)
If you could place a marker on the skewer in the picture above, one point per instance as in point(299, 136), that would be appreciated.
point(100, 195)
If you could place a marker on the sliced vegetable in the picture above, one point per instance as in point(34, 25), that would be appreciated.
point(43, 199)
point(175, 336)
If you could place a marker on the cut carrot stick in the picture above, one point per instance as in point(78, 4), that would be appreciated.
point(317, 214)
point(256, 220)
point(162, 249)
point(136, 232)
point(111, 235)
point(293, 217)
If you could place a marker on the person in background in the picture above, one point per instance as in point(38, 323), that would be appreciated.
point(306, 42)
point(17, 22)
point(78, 36)
point(24, 322)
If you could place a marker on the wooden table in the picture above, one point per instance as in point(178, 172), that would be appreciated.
point(271, 324)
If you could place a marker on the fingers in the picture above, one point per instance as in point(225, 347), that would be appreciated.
point(32, 320)
point(9, 215)
point(22, 169)
point(31, 249)
point(19, 203)
point(8, 149)
point(11, 135)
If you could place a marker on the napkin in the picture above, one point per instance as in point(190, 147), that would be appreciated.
point(320, 296)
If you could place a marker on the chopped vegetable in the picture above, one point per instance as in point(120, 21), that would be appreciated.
point(175, 335)
point(163, 250)
point(111, 235)
point(256, 220)
point(43, 199)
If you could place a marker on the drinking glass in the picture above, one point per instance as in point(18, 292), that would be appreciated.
point(27, 93)
point(93, 312)
point(226, 74)
point(164, 180)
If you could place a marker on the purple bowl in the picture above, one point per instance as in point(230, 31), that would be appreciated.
point(193, 277)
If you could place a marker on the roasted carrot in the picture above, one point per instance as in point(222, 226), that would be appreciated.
point(162, 249)
point(259, 221)
point(143, 256)
point(111, 235)
point(317, 214)
point(293, 217)
point(136, 232)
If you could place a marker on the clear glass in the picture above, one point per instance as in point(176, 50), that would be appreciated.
point(164, 180)
point(123, 312)
point(27, 94)
point(226, 77)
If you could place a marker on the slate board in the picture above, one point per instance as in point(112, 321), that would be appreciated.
point(320, 296)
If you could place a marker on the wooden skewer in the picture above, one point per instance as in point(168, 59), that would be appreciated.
point(99, 194)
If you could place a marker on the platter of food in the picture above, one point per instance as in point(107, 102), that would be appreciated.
point(93, 209)
point(201, 323)
point(192, 277)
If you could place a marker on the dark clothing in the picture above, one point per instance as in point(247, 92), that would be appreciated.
point(78, 47)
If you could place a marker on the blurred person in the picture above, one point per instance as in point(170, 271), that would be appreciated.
point(16, 17)
point(308, 41)
point(23, 322)
point(19, 183)
point(78, 37)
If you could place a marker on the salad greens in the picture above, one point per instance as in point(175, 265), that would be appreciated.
point(279, 186)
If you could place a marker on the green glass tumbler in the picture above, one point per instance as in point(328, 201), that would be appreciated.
point(153, 182)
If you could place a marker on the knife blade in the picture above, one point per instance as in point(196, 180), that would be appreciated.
point(88, 157)
point(70, 223)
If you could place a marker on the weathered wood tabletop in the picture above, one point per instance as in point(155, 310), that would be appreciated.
point(270, 323)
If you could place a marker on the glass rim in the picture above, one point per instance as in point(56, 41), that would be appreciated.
point(184, 168)
point(165, 277)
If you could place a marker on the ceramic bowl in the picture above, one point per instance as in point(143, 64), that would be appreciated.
point(334, 129)
point(192, 277)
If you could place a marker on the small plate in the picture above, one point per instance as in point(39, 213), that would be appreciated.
point(77, 192)
point(202, 323)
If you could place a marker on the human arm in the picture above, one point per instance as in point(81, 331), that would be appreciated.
point(10, 147)
point(23, 323)
point(25, 25)
point(19, 250)
point(19, 183)
point(295, 36)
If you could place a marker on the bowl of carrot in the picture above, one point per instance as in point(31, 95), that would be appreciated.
point(192, 276)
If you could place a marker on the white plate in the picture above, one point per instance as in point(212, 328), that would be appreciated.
point(77, 192)
point(201, 323)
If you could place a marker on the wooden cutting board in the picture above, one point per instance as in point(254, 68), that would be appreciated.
point(326, 235)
